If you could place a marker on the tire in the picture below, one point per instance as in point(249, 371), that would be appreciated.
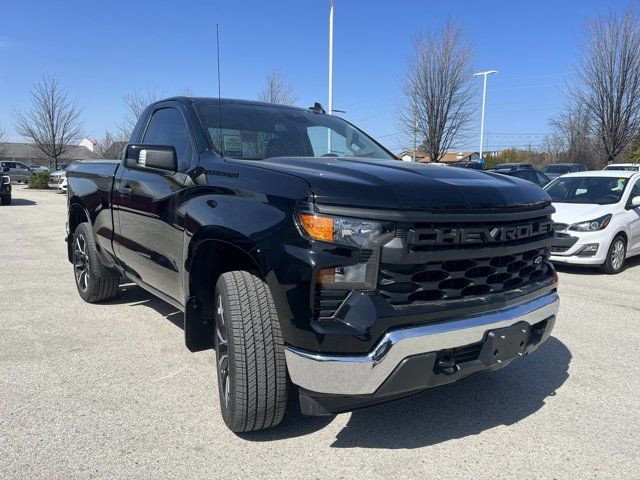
point(92, 283)
point(615, 256)
point(250, 362)
point(6, 199)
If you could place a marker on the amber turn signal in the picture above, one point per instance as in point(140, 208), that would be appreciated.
point(320, 228)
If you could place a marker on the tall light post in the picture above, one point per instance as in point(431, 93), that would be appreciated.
point(484, 97)
point(330, 57)
point(329, 146)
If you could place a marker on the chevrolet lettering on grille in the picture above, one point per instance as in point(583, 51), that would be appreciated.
point(462, 235)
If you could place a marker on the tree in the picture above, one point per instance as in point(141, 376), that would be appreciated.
point(437, 89)
point(572, 136)
point(2, 138)
point(277, 90)
point(136, 102)
point(608, 80)
point(53, 123)
point(110, 145)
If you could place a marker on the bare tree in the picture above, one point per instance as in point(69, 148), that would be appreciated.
point(2, 138)
point(134, 105)
point(53, 123)
point(110, 145)
point(136, 102)
point(277, 90)
point(608, 80)
point(573, 132)
point(437, 89)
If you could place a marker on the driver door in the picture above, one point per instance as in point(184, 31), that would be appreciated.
point(150, 213)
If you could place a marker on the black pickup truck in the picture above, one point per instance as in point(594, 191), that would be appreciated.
point(304, 253)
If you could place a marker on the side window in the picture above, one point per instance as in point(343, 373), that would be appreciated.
point(635, 191)
point(167, 127)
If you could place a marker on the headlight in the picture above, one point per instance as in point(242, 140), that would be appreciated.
point(592, 225)
point(367, 235)
point(347, 231)
point(6, 180)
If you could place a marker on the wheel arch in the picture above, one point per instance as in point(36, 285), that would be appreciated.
point(211, 253)
point(77, 215)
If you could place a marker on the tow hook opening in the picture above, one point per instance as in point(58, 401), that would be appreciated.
point(446, 363)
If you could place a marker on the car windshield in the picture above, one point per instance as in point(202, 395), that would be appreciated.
point(556, 169)
point(627, 168)
point(256, 132)
point(597, 190)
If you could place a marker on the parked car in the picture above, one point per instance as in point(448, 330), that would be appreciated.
point(18, 171)
point(511, 166)
point(62, 185)
point(529, 174)
point(473, 165)
point(39, 168)
point(554, 170)
point(597, 219)
point(357, 276)
point(5, 188)
point(629, 167)
point(58, 176)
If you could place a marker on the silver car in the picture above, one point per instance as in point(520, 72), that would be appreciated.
point(18, 171)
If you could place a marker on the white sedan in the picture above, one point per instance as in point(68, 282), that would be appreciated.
point(597, 219)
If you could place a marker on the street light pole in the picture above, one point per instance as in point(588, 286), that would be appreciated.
point(484, 97)
point(330, 57)
point(329, 146)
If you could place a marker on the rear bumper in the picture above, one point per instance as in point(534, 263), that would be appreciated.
point(408, 359)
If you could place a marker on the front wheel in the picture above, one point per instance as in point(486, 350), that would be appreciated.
point(615, 256)
point(252, 373)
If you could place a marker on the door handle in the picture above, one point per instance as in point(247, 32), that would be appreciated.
point(126, 190)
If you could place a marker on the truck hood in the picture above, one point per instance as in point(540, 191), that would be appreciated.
point(398, 185)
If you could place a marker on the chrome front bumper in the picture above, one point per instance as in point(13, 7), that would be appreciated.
point(364, 374)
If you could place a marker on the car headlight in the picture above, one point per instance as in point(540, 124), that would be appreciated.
point(592, 225)
point(6, 180)
point(366, 235)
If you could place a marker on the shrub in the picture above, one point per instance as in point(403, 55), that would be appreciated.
point(39, 180)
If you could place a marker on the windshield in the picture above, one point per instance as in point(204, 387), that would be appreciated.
point(597, 190)
point(627, 168)
point(256, 132)
point(556, 169)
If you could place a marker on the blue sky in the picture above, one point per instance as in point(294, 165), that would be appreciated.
point(101, 50)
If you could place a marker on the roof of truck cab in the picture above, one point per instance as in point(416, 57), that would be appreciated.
point(233, 101)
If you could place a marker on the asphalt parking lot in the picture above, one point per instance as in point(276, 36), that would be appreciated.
point(110, 391)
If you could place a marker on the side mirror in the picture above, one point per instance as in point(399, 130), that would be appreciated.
point(635, 202)
point(160, 157)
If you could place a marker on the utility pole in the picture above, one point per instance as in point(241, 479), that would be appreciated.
point(329, 146)
point(484, 97)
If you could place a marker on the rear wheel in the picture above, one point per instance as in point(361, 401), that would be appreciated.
point(615, 256)
point(252, 374)
point(6, 199)
point(92, 283)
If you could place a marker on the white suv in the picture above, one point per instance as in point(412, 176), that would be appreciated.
point(597, 219)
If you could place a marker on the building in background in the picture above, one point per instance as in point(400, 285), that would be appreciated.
point(89, 143)
point(449, 157)
point(28, 154)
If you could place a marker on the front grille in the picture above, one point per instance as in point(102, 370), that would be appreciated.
point(405, 284)
point(555, 249)
point(426, 236)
